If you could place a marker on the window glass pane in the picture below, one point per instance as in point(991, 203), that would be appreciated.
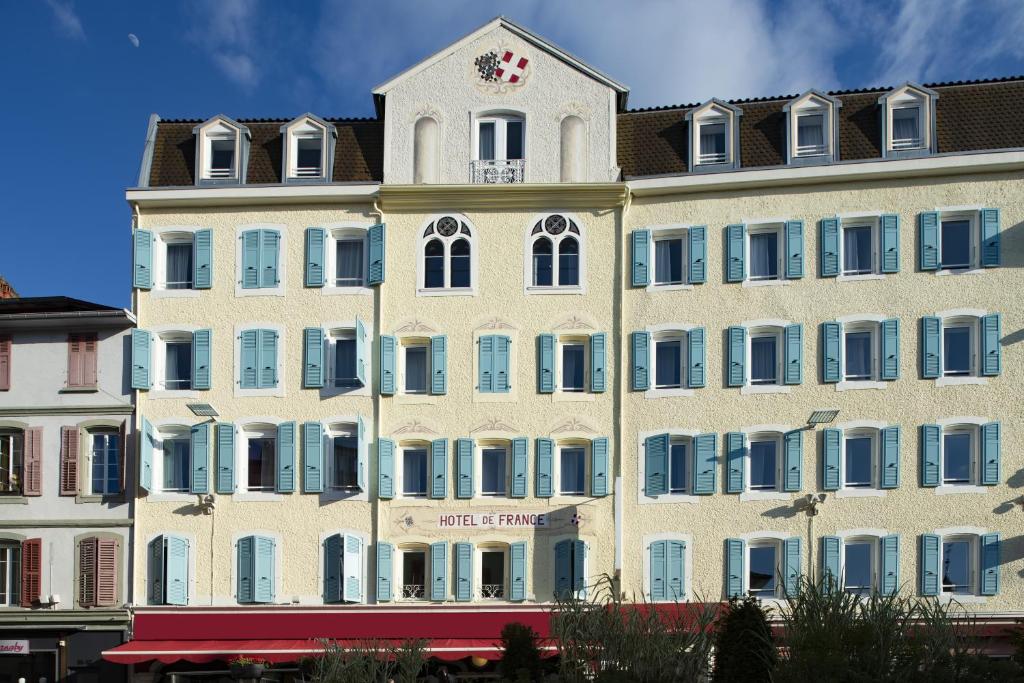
point(764, 360)
point(308, 155)
point(345, 468)
point(573, 366)
point(10, 576)
point(542, 263)
point(764, 256)
point(11, 454)
point(668, 261)
point(857, 250)
point(486, 140)
point(415, 369)
point(178, 365)
point(568, 262)
point(762, 570)
point(573, 470)
point(514, 140)
point(956, 458)
point(492, 574)
point(414, 572)
point(677, 468)
point(262, 464)
point(345, 363)
point(858, 461)
point(179, 266)
point(668, 364)
point(956, 567)
point(493, 474)
point(434, 264)
point(858, 355)
point(105, 466)
point(177, 465)
point(810, 134)
point(956, 244)
point(222, 155)
point(348, 269)
point(956, 350)
point(905, 127)
point(712, 143)
point(460, 263)
point(857, 571)
point(763, 456)
point(414, 472)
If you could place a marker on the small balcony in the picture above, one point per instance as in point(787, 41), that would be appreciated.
point(497, 171)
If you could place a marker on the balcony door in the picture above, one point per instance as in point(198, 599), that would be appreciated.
point(500, 137)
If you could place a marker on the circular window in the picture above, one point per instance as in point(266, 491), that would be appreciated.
point(447, 226)
point(555, 224)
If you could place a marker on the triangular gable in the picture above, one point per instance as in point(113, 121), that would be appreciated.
point(834, 101)
point(226, 120)
point(329, 127)
point(713, 102)
point(925, 93)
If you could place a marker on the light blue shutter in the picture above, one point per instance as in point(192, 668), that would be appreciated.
point(142, 265)
point(384, 554)
point(362, 447)
point(362, 352)
point(930, 435)
point(316, 257)
point(737, 356)
point(375, 236)
point(485, 375)
point(248, 373)
point(270, 241)
point(439, 468)
point(990, 257)
point(200, 445)
point(251, 259)
point(313, 371)
point(794, 250)
point(387, 364)
point(793, 460)
point(890, 332)
point(695, 370)
point(285, 457)
point(157, 571)
point(438, 571)
point(735, 255)
point(579, 566)
point(268, 359)
point(890, 550)
point(312, 457)
point(201, 342)
point(989, 564)
point(517, 551)
point(264, 570)
point(991, 331)
point(546, 366)
point(545, 449)
point(930, 565)
point(705, 446)
point(990, 465)
point(890, 242)
point(385, 469)
point(146, 441)
point(791, 564)
point(519, 467)
point(928, 235)
point(831, 352)
point(332, 568)
point(463, 572)
point(828, 241)
point(598, 349)
point(931, 347)
point(641, 258)
point(202, 259)
point(735, 461)
point(641, 342)
point(831, 574)
point(734, 562)
point(563, 569)
point(697, 235)
point(352, 569)
point(439, 364)
point(464, 462)
point(246, 584)
point(176, 575)
point(225, 458)
point(502, 353)
point(659, 566)
point(831, 457)
point(794, 343)
point(599, 466)
point(676, 570)
point(656, 465)
point(890, 478)
point(142, 341)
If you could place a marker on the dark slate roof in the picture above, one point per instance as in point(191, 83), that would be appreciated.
point(51, 304)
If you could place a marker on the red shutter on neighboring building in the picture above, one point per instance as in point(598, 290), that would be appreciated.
point(68, 461)
point(87, 572)
point(33, 468)
point(5, 364)
point(82, 360)
point(31, 571)
point(106, 572)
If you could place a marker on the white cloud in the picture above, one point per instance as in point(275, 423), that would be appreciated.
point(226, 29)
point(67, 19)
point(133, 39)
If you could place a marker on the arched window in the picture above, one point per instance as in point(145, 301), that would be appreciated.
point(551, 236)
point(568, 262)
point(434, 264)
point(543, 269)
point(460, 255)
point(448, 258)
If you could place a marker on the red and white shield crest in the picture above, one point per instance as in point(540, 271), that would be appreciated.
point(510, 67)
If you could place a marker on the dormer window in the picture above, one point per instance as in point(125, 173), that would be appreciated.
point(811, 128)
point(309, 156)
point(810, 135)
point(308, 143)
point(908, 121)
point(906, 127)
point(222, 147)
point(712, 142)
point(222, 155)
point(714, 136)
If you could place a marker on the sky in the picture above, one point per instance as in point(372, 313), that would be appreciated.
point(80, 80)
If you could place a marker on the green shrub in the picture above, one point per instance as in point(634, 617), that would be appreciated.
point(520, 659)
point(744, 647)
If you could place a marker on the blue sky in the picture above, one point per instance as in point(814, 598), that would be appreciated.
point(79, 91)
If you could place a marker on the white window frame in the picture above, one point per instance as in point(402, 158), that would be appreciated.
point(904, 144)
point(975, 455)
point(220, 132)
point(825, 150)
point(282, 261)
point(404, 344)
point(572, 340)
point(401, 448)
point(332, 429)
point(556, 240)
point(474, 258)
point(714, 120)
point(478, 567)
point(18, 456)
point(478, 456)
point(179, 429)
point(974, 574)
point(556, 476)
point(875, 560)
point(398, 569)
point(306, 130)
point(90, 433)
point(669, 232)
point(344, 231)
point(963, 317)
point(765, 328)
point(861, 323)
point(344, 330)
point(680, 440)
point(500, 121)
point(675, 436)
point(764, 542)
point(876, 457)
point(13, 549)
point(763, 436)
point(860, 221)
point(255, 428)
point(663, 332)
point(761, 228)
point(282, 350)
point(680, 336)
point(172, 234)
point(159, 369)
point(974, 227)
point(861, 327)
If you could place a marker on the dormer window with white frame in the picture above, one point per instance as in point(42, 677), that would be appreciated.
point(308, 143)
point(811, 128)
point(222, 150)
point(908, 121)
point(714, 136)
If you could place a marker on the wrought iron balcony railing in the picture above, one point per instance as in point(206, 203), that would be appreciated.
point(492, 591)
point(413, 591)
point(497, 171)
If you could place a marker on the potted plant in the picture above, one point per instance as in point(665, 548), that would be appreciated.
point(247, 667)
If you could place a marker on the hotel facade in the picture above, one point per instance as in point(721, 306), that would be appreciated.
point(510, 336)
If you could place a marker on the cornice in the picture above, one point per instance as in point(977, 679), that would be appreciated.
point(584, 196)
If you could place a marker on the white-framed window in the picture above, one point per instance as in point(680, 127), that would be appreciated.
point(493, 564)
point(342, 447)
point(10, 574)
point(448, 257)
point(764, 246)
point(223, 155)
point(12, 461)
point(960, 342)
point(500, 137)
point(713, 136)
point(308, 149)
point(860, 565)
point(174, 458)
point(415, 468)
point(173, 358)
point(573, 363)
point(764, 462)
point(572, 468)
point(495, 464)
point(555, 254)
point(907, 126)
point(765, 355)
point(680, 458)
point(669, 359)
point(104, 462)
point(175, 266)
point(259, 471)
point(414, 355)
point(811, 131)
point(221, 149)
point(342, 359)
point(860, 459)
point(810, 127)
point(413, 567)
point(861, 351)
point(959, 455)
point(670, 258)
point(958, 564)
point(908, 120)
point(764, 568)
point(347, 258)
point(958, 240)
point(859, 246)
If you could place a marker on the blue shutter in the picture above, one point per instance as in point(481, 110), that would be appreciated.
point(890, 242)
point(599, 474)
point(463, 572)
point(246, 584)
point(439, 468)
point(485, 370)
point(352, 569)
point(890, 551)
point(146, 441)
point(990, 560)
point(990, 466)
point(362, 352)
point(991, 331)
point(316, 257)
point(831, 574)
point(641, 258)
point(201, 361)
point(735, 461)
point(831, 352)
point(990, 257)
point(695, 370)
point(930, 435)
point(641, 342)
point(737, 356)
point(705, 446)
point(332, 568)
point(931, 347)
point(831, 450)
point(793, 460)
point(362, 447)
point(890, 478)
point(563, 569)
point(659, 567)
point(200, 446)
point(438, 571)
point(250, 259)
point(579, 566)
point(225, 458)
point(439, 364)
point(734, 562)
point(676, 570)
point(270, 243)
point(202, 259)
point(794, 343)
point(519, 467)
point(375, 236)
point(385, 469)
point(264, 570)
point(929, 585)
point(697, 235)
point(656, 465)
point(248, 373)
point(502, 352)
point(828, 241)
point(464, 462)
point(142, 265)
point(387, 364)
point(546, 366)
point(176, 574)
point(157, 571)
point(285, 457)
point(384, 554)
point(268, 359)
point(312, 457)
point(598, 348)
point(141, 343)
point(735, 255)
point(890, 332)
point(313, 371)
point(545, 449)
point(928, 236)
point(791, 564)
point(517, 551)
point(794, 250)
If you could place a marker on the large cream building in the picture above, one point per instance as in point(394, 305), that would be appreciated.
point(509, 336)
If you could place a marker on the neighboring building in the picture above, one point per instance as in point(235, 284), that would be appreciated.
point(66, 488)
point(6, 291)
point(586, 343)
